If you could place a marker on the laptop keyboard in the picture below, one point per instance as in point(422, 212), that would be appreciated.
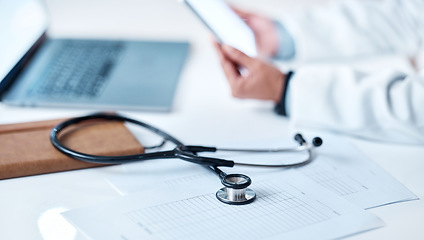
point(79, 70)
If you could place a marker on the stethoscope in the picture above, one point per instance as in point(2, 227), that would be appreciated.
point(235, 190)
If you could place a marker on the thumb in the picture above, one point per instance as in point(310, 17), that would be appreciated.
point(242, 14)
point(237, 56)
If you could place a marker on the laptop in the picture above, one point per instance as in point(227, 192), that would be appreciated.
point(36, 70)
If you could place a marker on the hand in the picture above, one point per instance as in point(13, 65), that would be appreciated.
point(262, 81)
point(264, 30)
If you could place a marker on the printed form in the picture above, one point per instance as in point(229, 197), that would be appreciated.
point(288, 206)
point(338, 166)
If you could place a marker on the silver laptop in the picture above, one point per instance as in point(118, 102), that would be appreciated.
point(36, 70)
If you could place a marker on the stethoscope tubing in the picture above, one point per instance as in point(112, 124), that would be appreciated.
point(297, 164)
point(236, 189)
point(184, 152)
point(112, 117)
point(179, 152)
point(258, 150)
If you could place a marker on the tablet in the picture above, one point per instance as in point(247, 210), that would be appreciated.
point(225, 24)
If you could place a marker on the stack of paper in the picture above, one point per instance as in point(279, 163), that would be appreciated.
point(176, 200)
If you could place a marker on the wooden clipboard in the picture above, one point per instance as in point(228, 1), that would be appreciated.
point(25, 148)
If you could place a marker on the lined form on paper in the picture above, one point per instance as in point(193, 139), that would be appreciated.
point(341, 168)
point(278, 211)
point(287, 206)
point(338, 166)
point(344, 170)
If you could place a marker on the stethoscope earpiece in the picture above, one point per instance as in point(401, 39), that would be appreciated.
point(235, 190)
point(317, 141)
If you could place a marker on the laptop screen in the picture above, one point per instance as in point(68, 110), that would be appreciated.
point(22, 22)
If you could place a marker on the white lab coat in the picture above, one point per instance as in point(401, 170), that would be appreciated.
point(387, 105)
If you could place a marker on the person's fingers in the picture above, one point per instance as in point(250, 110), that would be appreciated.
point(229, 67)
point(237, 56)
point(218, 49)
point(212, 38)
point(242, 14)
point(230, 70)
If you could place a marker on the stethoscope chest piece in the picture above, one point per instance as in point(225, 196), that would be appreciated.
point(236, 191)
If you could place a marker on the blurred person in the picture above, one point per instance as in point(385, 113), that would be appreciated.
point(386, 105)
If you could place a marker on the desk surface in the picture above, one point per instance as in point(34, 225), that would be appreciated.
point(204, 113)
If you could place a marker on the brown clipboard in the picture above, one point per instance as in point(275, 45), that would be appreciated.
point(25, 148)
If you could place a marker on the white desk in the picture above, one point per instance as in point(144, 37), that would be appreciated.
point(204, 113)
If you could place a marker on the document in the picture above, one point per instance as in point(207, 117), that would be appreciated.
point(338, 166)
point(288, 206)
point(225, 24)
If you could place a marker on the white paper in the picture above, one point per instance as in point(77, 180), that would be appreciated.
point(338, 166)
point(225, 24)
point(288, 206)
point(341, 168)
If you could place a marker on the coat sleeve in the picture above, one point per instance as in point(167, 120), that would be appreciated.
point(347, 28)
point(386, 106)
